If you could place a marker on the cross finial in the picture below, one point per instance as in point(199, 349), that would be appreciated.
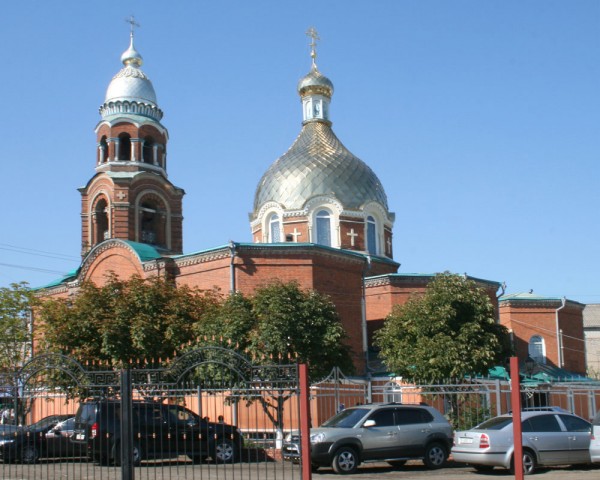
point(314, 35)
point(131, 21)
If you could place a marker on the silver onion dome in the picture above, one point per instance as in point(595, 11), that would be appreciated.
point(315, 82)
point(130, 90)
point(319, 164)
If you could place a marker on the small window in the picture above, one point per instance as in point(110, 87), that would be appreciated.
point(324, 228)
point(537, 349)
point(274, 229)
point(372, 246)
point(148, 150)
point(124, 147)
point(103, 150)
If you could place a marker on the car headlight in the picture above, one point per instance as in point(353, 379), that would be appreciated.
point(6, 442)
point(317, 438)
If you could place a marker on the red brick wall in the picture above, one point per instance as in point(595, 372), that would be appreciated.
point(527, 319)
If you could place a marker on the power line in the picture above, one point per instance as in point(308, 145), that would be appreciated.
point(39, 253)
point(34, 269)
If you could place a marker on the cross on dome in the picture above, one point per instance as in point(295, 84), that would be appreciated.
point(131, 21)
point(314, 35)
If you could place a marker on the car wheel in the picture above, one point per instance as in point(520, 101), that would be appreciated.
point(397, 463)
point(29, 454)
point(225, 451)
point(136, 454)
point(529, 463)
point(435, 456)
point(345, 461)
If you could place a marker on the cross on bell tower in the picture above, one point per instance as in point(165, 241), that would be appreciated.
point(130, 197)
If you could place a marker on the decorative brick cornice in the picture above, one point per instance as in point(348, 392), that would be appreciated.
point(202, 257)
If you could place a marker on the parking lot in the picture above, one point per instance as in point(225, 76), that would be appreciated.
point(413, 470)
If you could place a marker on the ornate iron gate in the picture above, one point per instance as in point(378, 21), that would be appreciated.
point(209, 413)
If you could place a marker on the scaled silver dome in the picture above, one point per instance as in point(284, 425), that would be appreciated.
point(318, 164)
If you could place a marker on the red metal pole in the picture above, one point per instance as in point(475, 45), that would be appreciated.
point(515, 400)
point(304, 422)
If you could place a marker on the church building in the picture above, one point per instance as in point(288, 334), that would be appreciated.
point(320, 216)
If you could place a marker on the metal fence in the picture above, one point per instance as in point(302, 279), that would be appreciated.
point(209, 414)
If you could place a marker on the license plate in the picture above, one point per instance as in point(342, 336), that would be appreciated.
point(80, 436)
point(464, 440)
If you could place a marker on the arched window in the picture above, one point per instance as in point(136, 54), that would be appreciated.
point(274, 229)
point(100, 219)
point(372, 246)
point(103, 150)
point(124, 147)
point(152, 227)
point(323, 224)
point(537, 349)
point(148, 150)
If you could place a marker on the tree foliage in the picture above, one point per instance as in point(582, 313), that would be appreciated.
point(302, 324)
point(16, 303)
point(123, 320)
point(132, 319)
point(448, 332)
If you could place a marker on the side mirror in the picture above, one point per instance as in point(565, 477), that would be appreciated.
point(369, 423)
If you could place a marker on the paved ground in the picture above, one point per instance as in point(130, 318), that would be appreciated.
point(271, 471)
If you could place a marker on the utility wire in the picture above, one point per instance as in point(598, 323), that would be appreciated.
point(39, 253)
point(34, 269)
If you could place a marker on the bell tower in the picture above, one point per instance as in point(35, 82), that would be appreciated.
point(130, 196)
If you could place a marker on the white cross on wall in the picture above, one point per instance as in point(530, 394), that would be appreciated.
point(121, 195)
point(352, 235)
point(296, 234)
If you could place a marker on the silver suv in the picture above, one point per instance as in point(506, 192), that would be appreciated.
point(389, 432)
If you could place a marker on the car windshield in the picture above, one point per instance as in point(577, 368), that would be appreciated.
point(346, 418)
point(496, 423)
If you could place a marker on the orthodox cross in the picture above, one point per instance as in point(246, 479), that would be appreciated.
point(131, 21)
point(314, 35)
point(296, 234)
point(352, 234)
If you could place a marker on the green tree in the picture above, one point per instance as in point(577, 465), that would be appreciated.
point(124, 320)
point(446, 333)
point(298, 324)
point(16, 303)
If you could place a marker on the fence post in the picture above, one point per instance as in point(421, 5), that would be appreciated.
point(515, 394)
point(304, 422)
point(127, 472)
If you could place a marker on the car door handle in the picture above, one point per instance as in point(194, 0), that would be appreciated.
point(534, 439)
point(392, 434)
point(426, 430)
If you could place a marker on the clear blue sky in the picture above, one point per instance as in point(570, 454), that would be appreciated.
point(481, 118)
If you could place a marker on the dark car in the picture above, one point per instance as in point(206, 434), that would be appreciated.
point(29, 444)
point(390, 432)
point(159, 431)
